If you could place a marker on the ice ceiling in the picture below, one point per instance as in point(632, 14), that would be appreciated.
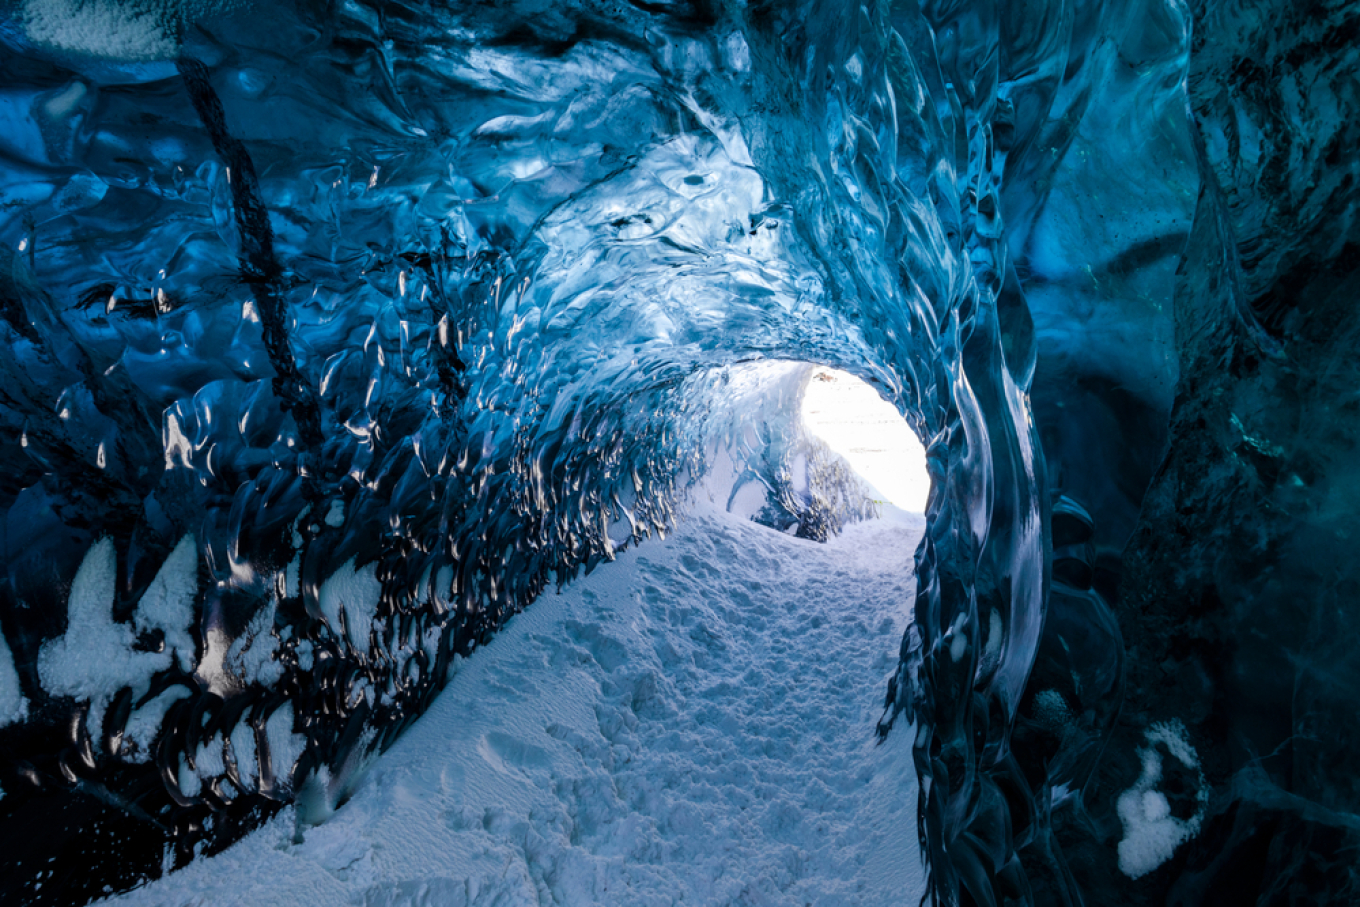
point(335, 332)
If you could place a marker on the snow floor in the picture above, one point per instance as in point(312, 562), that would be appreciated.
point(693, 724)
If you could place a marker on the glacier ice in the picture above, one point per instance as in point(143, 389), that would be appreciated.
point(336, 333)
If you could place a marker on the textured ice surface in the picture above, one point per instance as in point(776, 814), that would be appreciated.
point(404, 315)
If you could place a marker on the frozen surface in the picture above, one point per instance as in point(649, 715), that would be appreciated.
point(13, 706)
point(1151, 832)
point(693, 725)
point(405, 314)
point(349, 600)
point(122, 30)
point(168, 604)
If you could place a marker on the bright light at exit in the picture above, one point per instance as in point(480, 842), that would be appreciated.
point(854, 421)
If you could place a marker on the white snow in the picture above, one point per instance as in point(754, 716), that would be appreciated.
point(209, 761)
point(243, 752)
point(692, 724)
point(189, 783)
point(251, 658)
point(168, 603)
point(285, 747)
point(65, 665)
point(1151, 833)
point(870, 434)
point(357, 593)
point(13, 705)
point(125, 30)
point(292, 578)
point(143, 723)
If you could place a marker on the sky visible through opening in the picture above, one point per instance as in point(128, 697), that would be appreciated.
point(854, 421)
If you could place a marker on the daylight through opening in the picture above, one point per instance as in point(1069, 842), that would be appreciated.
point(868, 432)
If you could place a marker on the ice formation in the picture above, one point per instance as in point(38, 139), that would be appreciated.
point(337, 333)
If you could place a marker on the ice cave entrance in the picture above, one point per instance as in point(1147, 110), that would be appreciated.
point(851, 418)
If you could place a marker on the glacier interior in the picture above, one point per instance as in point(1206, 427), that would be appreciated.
point(336, 331)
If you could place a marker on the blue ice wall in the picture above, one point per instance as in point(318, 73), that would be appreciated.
point(1183, 225)
point(1243, 544)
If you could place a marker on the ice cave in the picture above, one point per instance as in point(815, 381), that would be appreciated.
point(418, 484)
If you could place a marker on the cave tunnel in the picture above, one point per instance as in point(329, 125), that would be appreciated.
point(345, 341)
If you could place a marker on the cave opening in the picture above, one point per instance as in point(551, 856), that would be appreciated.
point(854, 420)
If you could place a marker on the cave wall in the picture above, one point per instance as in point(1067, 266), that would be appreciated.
point(461, 314)
point(1240, 593)
point(1233, 600)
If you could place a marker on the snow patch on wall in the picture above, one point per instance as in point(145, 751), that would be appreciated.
point(13, 705)
point(285, 747)
point(140, 733)
point(252, 656)
point(189, 783)
point(243, 753)
point(95, 659)
point(209, 761)
point(356, 593)
point(1151, 832)
point(168, 604)
point(124, 30)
